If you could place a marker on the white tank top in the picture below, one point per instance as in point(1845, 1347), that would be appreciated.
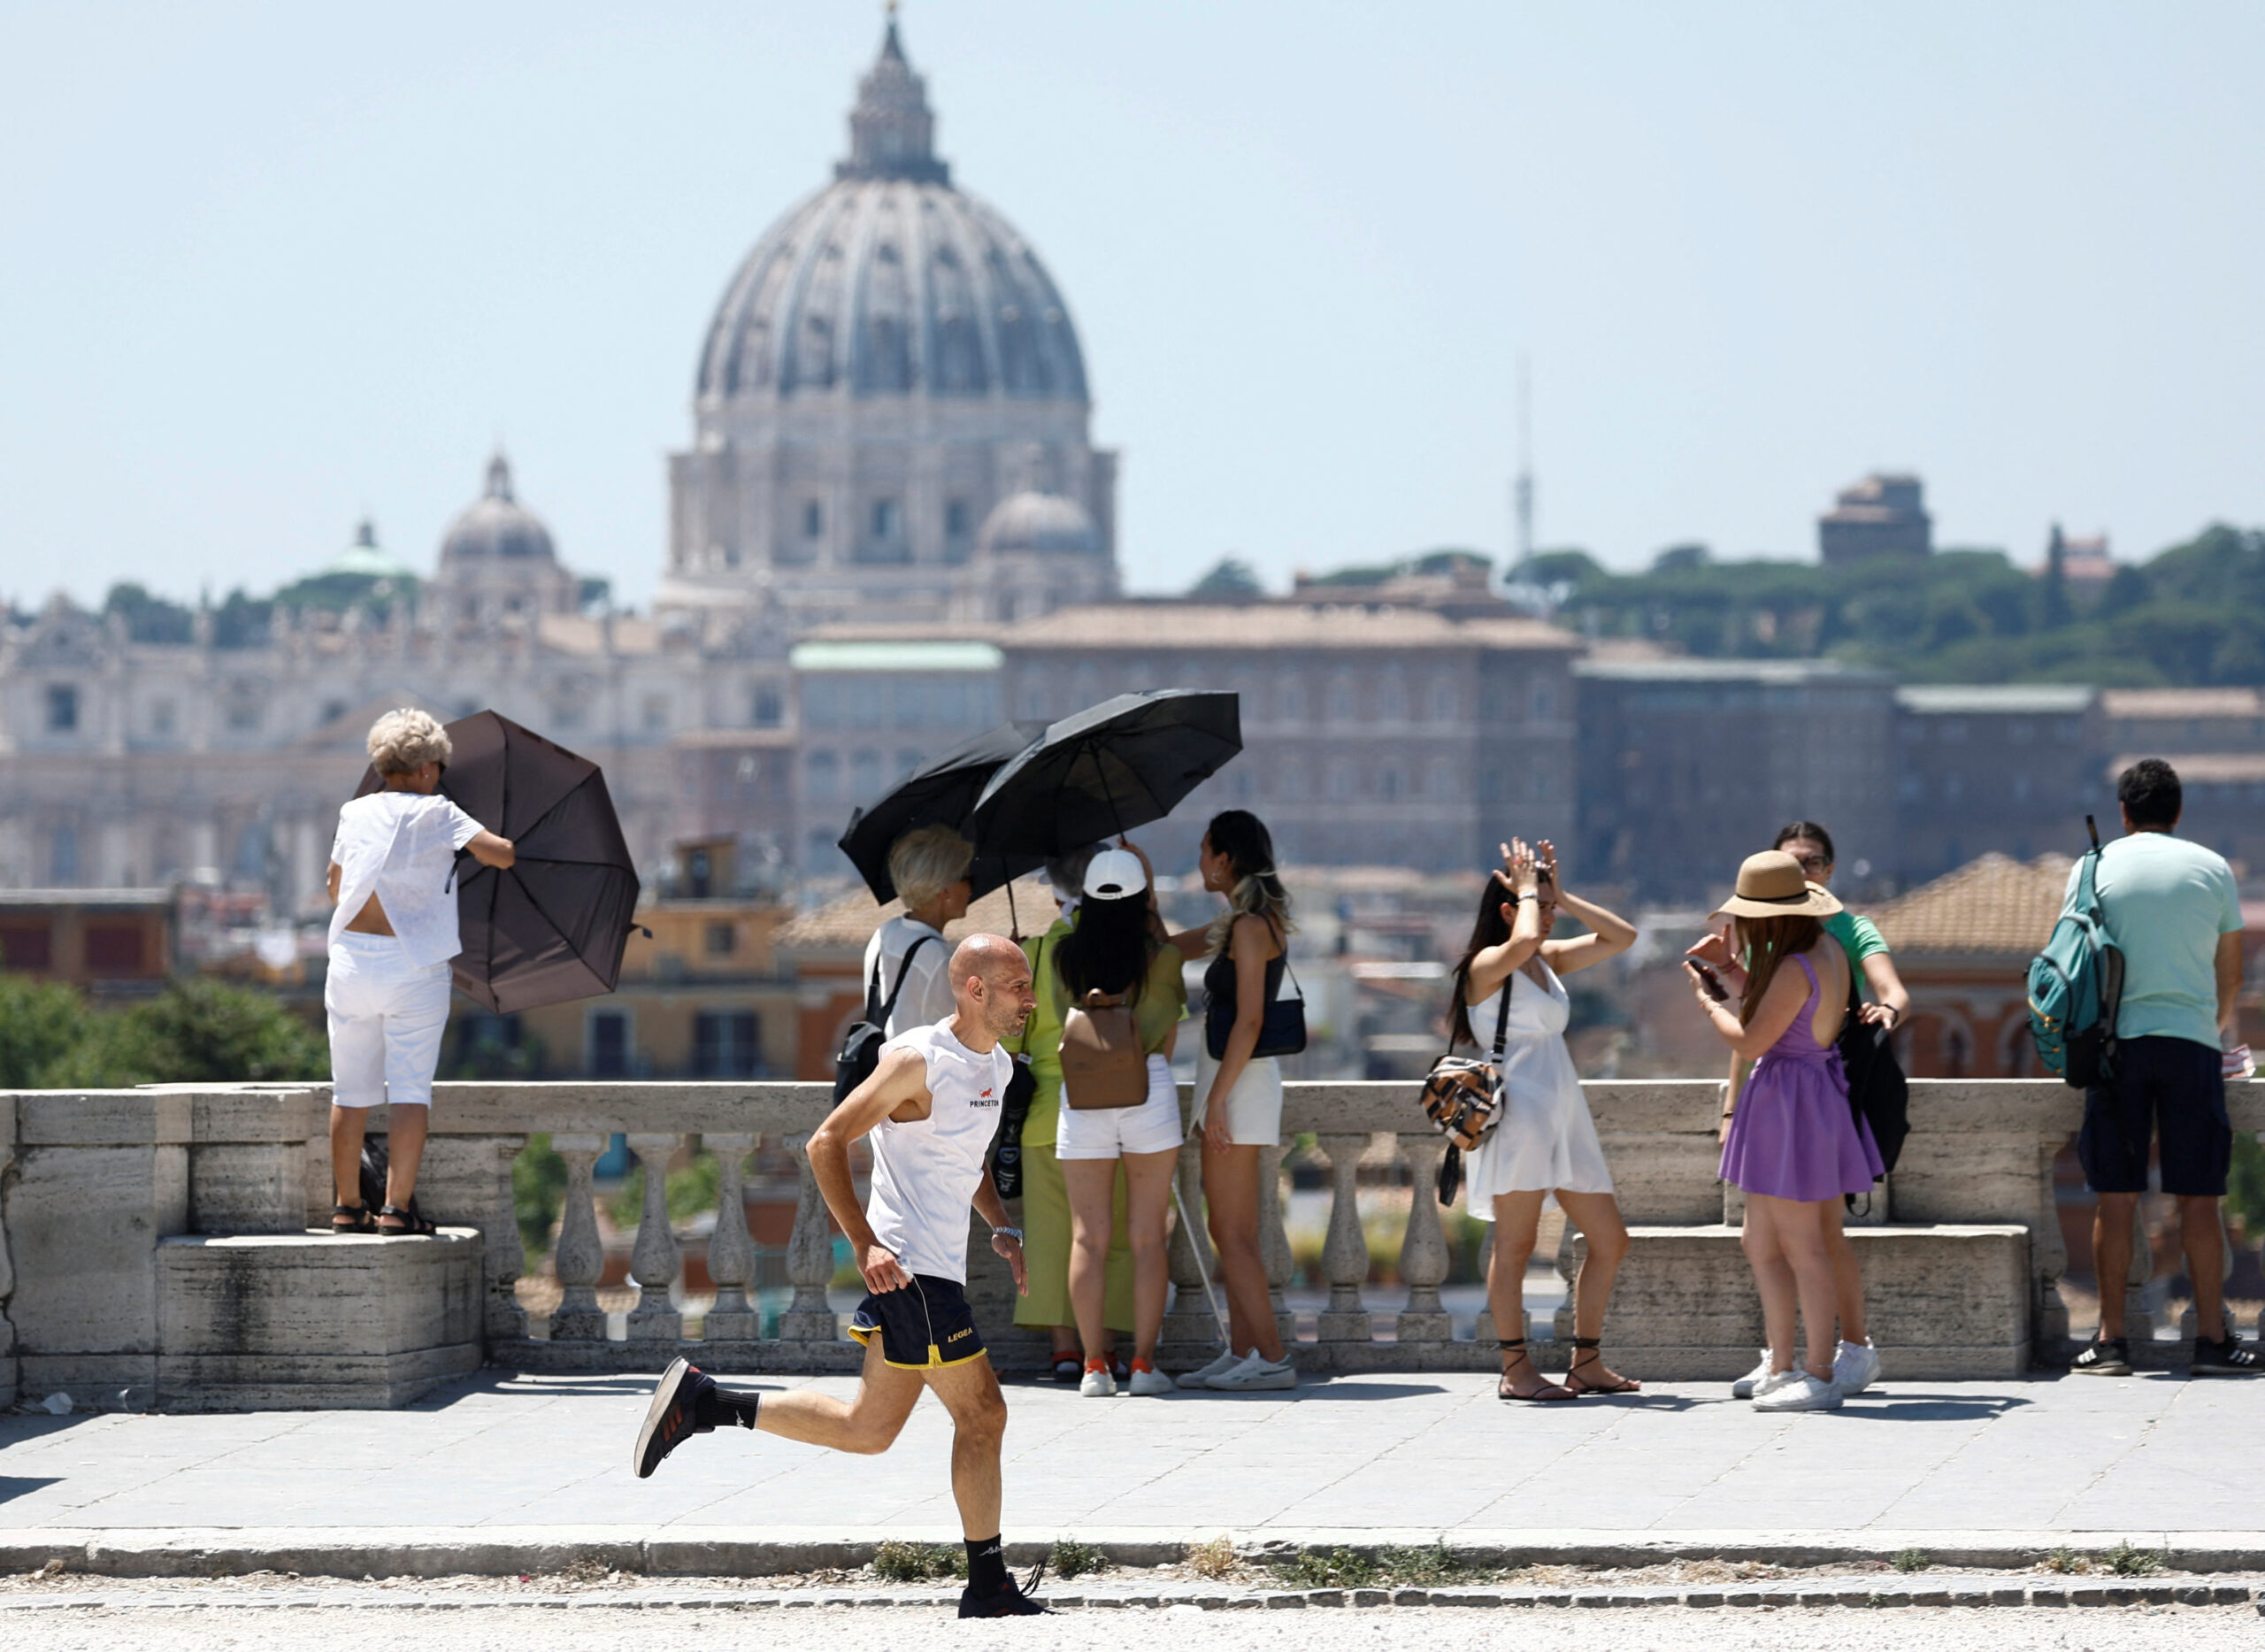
point(925, 1172)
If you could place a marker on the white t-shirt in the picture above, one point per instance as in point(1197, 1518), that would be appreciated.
point(925, 1172)
point(927, 995)
point(401, 848)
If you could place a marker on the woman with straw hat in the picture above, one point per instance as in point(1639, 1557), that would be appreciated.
point(1790, 1141)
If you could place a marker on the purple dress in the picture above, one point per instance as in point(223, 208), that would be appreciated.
point(1794, 1135)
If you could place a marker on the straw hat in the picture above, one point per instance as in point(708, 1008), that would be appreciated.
point(1772, 885)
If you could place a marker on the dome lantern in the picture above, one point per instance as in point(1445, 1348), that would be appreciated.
point(892, 132)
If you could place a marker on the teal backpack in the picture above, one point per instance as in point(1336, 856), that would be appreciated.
point(2075, 984)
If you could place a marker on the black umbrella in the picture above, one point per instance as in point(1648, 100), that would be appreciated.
point(1111, 767)
point(550, 927)
point(941, 793)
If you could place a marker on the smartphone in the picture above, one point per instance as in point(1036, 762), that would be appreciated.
point(1711, 981)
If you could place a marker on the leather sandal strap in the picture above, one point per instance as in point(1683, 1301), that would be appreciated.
point(1583, 1341)
point(1507, 1343)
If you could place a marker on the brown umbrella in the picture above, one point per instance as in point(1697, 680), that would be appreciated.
point(552, 927)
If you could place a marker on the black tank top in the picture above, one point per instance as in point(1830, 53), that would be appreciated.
point(1219, 985)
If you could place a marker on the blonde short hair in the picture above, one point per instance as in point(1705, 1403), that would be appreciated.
point(927, 861)
point(407, 739)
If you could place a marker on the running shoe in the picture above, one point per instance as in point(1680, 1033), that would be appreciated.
point(1800, 1392)
point(1068, 1366)
point(1014, 1601)
point(671, 1419)
point(1256, 1372)
point(1148, 1380)
point(1097, 1384)
point(1855, 1366)
point(2229, 1356)
point(1201, 1376)
point(2110, 1358)
point(1745, 1387)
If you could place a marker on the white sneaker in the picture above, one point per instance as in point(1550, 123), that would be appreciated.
point(1147, 1383)
point(1775, 1380)
point(1746, 1387)
point(1800, 1392)
point(1201, 1376)
point(1855, 1366)
point(1097, 1385)
point(1256, 1372)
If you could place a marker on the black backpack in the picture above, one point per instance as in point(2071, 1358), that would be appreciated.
point(861, 1045)
point(1879, 1093)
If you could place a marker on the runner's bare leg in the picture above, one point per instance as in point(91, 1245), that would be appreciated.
point(970, 1391)
point(867, 1423)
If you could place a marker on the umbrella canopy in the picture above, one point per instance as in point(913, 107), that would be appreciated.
point(1108, 769)
point(941, 793)
point(550, 927)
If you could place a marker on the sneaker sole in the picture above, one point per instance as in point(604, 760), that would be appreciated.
point(665, 1396)
point(2225, 1370)
point(2100, 1370)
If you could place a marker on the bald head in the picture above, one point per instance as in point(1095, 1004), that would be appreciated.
point(991, 985)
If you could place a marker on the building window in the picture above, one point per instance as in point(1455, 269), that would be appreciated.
point(114, 949)
point(885, 519)
point(813, 520)
point(161, 717)
point(1291, 699)
point(769, 712)
point(63, 855)
point(609, 1044)
point(720, 939)
point(821, 849)
point(821, 776)
point(244, 714)
point(907, 762)
point(26, 946)
point(725, 1044)
point(1544, 702)
point(1443, 702)
point(1341, 700)
point(1439, 785)
point(656, 713)
point(1389, 785)
point(1033, 697)
point(62, 709)
point(1343, 783)
point(956, 518)
point(864, 776)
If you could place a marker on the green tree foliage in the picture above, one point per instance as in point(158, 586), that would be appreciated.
point(39, 1023)
point(193, 1030)
point(1231, 576)
point(2194, 616)
point(148, 618)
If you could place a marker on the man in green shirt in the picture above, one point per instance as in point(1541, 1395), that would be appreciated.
point(2172, 909)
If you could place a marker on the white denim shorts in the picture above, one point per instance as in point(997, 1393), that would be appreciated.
point(1154, 1126)
point(386, 1019)
point(1254, 1106)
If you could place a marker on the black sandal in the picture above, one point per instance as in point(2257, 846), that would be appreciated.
point(412, 1223)
point(1587, 1345)
point(358, 1220)
point(1553, 1391)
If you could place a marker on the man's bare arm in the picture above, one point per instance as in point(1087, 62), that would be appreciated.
point(900, 1081)
point(2228, 971)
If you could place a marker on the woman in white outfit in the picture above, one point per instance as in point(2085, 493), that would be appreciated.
point(1239, 1091)
point(1118, 949)
point(1544, 1141)
point(393, 882)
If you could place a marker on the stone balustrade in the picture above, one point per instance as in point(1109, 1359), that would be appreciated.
point(90, 1185)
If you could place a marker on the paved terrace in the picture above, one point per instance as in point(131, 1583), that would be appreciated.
point(501, 1473)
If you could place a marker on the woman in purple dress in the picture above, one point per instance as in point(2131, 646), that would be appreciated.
point(1790, 1141)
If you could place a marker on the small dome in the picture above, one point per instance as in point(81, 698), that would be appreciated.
point(497, 525)
point(1046, 523)
point(366, 559)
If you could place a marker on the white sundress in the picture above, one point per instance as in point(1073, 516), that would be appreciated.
point(1546, 1140)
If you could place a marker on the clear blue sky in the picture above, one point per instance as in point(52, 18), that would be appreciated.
point(265, 266)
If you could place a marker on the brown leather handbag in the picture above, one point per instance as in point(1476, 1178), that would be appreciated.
point(1102, 1064)
point(1462, 1097)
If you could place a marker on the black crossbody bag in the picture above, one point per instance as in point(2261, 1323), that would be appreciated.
point(1282, 1032)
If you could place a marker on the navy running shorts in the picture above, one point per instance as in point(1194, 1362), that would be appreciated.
point(2173, 1086)
point(925, 1325)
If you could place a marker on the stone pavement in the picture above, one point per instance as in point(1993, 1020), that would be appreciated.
point(502, 1460)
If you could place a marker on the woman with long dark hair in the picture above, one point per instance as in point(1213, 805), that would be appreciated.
point(1790, 1141)
point(1238, 1092)
point(1544, 1141)
point(1118, 951)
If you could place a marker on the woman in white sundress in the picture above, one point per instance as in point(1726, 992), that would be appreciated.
point(1544, 1141)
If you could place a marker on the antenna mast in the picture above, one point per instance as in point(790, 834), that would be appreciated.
point(1522, 490)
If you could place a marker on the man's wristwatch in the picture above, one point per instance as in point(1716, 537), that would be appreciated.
point(1015, 1234)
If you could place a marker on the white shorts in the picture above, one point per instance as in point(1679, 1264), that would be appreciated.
point(1154, 1126)
point(1254, 1106)
point(386, 1017)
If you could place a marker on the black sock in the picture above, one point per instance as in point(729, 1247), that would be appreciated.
point(719, 1406)
point(986, 1565)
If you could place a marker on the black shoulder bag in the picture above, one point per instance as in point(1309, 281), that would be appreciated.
point(1281, 1033)
point(861, 1045)
point(1462, 1097)
point(1879, 1094)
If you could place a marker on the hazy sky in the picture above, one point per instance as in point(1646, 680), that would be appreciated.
point(266, 266)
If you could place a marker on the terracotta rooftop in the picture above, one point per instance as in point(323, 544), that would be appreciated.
point(847, 922)
point(1992, 907)
point(2166, 702)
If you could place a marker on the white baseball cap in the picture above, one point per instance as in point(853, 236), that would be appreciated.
point(1115, 874)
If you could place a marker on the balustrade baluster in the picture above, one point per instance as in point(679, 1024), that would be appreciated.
point(654, 1262)
point(1190, 1330)
point(1423, 1249)
point(731, 1253)
point(809, 1257)
point(2048, 1260)
point(578, 1259)
point(1345, 1254)
point(7, 1263)
point(1274, 1240)
point(503, 1252)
